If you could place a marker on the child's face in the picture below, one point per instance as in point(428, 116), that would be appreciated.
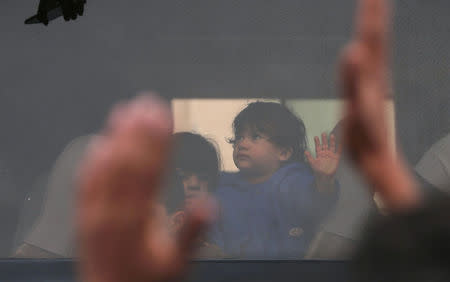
point(254, 154)
point(194, 184)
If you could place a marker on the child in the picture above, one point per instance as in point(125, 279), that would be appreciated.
point(197, 163)
point(273, 206)
point(176, 202)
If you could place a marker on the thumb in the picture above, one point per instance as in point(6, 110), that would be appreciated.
point(197, 220)
point(309, 157)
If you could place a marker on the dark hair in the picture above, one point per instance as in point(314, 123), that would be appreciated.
point(412, 246)
point(173, 196)
point(195, 154)
point(283, 128)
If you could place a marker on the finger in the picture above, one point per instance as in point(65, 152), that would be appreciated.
point(349, 77)
point(142, 132)
point(309, 157)
point(350, 70)
point(324, 141)
point(114, 117)
point(332, 143)
point(199, 217)
point(317, 145)
point(372, 26)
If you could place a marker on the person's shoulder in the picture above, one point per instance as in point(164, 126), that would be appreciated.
point(297, 169)
point(227, 176)
point(80, 141)
point(441, 146)
point(295, 173)
point(228, 179)
point(75, 149)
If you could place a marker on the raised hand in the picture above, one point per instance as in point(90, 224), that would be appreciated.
point(365, 82)
point(122, 234)
point(327, 157)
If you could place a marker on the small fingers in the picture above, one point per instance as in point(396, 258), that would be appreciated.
point(317, 145)
point(324, 141)
point(309, 157)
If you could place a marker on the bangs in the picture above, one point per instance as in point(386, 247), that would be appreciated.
point(254, 120)
point(281, 126)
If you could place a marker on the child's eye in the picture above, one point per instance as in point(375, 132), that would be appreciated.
point(256, 136)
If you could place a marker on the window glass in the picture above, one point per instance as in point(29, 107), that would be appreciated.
point(268, 65)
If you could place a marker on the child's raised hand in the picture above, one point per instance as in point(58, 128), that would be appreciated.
point(122, 233)
point(326, 161)
point(327, 157)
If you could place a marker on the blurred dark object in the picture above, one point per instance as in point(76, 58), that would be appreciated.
point(411, 246)
point(49, 10)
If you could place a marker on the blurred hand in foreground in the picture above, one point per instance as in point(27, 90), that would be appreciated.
point(365, 82)
point(119, 183)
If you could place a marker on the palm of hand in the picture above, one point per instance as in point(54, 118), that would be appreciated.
point(325, 163)
point(327, 157)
